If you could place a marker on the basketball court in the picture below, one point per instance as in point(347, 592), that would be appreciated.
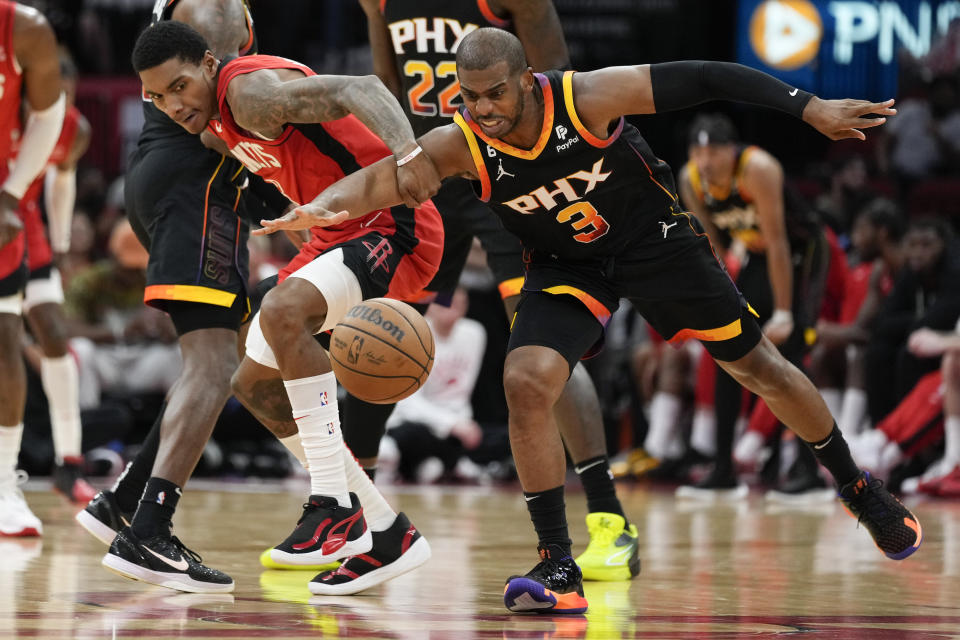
point(752, 570)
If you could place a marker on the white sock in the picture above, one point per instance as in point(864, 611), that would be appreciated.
point(664, 411)
point(852, 411)
point(833, 399)
point(60, 384)
point(295, 447)
point(9, 448)
point(703, 435)
point(314, 404)
point(376, 510)
point(951, 436)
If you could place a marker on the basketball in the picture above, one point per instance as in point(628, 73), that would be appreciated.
point(381, 351)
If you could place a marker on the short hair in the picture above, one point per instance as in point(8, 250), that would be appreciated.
point(883, 213)
point(165, 40)
point(483, 48)
point(711, 128)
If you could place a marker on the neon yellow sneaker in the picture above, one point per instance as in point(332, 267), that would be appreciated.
point(612, 552)
point(270, 563)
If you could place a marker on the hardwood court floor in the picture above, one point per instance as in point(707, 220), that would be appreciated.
point(709, 573)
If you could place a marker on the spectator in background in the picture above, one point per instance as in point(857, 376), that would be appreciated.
point(925, 294)
point(122, 346)
point(436, 422)
point(849, 192)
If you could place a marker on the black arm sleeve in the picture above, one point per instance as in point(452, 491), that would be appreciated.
point(678, 85)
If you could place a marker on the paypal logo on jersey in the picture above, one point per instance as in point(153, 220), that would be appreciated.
point(561, 131)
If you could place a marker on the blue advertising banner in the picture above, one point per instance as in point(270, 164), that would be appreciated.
point(839, 48)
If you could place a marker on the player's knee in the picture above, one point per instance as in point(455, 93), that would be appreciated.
point(287, 310)
point(533, 383)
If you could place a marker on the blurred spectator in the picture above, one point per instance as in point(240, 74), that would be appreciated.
point(849, 192)
point(437, 421)
point(122, 346)
point(925, 294)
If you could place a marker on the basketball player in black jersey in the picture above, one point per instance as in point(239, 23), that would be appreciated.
point(599, 219)
point(413, 44)
point(183, 202)
point(738, 194)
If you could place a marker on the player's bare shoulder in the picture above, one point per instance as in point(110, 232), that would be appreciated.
point(30, 30)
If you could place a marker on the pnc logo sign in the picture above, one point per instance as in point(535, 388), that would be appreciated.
point(786, 34)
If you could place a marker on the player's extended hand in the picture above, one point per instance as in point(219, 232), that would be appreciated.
point(840, 119)
point(305, 216)
point(418, 180)
point(10, 223)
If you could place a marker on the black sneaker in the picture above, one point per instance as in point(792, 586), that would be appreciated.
point(395, 550)
point(555, 585)
point(163, 560)
point(103, 518)
point(895, 530)
point(803, 485)
point(721, 485)
point(325, 532)
point(69, 481)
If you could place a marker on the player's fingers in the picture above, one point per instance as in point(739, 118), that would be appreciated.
point(866, 123)
point(881, 108)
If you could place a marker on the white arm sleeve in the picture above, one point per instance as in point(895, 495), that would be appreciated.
point(39, 139)
point(60, 194)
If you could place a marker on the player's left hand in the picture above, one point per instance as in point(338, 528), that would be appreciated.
point(418, 180)
point(303, 217)
point(841, 119)
point(779, 327)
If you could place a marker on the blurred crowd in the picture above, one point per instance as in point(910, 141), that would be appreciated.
point(884, 352)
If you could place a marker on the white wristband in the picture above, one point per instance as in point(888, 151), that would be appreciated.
point(781, 316)
point(410, 156)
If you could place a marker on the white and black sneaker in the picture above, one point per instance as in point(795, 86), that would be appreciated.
point(103, 518)
point(163, 560)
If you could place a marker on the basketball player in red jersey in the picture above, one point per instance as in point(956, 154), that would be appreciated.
point(599, 219)
point(302, 132)
point(30, 72)
point(414, 43)
point(43, 298)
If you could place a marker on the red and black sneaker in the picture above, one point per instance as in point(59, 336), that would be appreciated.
point(396, 550)
point(68, 480)
point(325, 532)
point(895, 530)
point(555, 585)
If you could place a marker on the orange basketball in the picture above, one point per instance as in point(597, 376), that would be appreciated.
point(382, 350)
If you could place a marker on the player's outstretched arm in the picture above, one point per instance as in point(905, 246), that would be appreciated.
point(375, 187)
point(265, 101)
point(537, 25)
point(668, 86)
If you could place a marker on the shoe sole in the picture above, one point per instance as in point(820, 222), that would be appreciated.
point(418, 553)
point(524, 594)
point(26, 532)
point(180, 582)
point(268, 563)
point(352, 548)
point(95, 527)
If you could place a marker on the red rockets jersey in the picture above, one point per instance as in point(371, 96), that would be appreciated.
point(11, 81)
point(306, 158)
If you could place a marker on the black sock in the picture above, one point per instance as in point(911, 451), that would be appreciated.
point(371, 472)
point(134, 478)
point(155, 513)
point(598, 485)
point(833, 453)
point(549, 516)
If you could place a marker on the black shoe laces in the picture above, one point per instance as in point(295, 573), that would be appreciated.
point(186, 551)
point(872, 503)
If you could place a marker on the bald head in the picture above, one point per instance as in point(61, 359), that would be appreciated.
point(483, 48)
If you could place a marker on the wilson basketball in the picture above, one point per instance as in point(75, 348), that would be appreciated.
point(382, 350)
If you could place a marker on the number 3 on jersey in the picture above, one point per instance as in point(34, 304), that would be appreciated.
point(428, 76)
point(590, 219)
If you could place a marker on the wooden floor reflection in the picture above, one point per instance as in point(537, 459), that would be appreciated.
point(709, 573)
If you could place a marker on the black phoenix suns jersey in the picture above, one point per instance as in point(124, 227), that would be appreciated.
point(572, 195)
point(156, 125)
point(734, 213)
point(425, 35)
